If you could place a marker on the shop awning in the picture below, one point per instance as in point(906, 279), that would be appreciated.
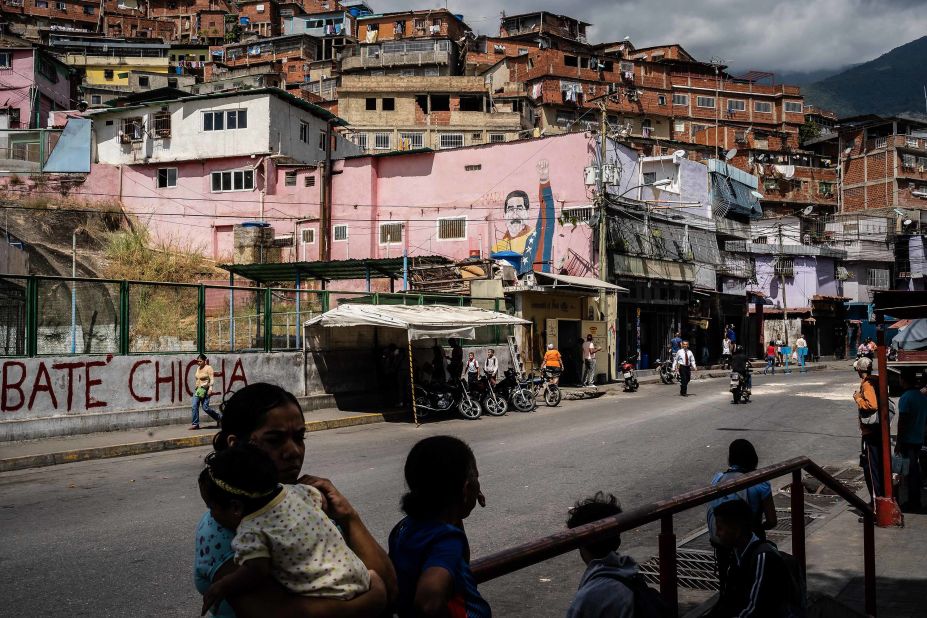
point(570, 281)
point(421, 322)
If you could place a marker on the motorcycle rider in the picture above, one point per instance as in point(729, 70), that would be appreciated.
point(553, 363)
point(741, 365)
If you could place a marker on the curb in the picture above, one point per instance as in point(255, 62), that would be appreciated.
point(170, 444)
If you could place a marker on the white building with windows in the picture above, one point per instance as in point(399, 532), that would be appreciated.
point(257, 122)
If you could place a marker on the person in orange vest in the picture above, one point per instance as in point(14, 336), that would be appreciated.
point(553, 363)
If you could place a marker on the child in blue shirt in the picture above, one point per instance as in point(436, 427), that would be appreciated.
point(428, 547)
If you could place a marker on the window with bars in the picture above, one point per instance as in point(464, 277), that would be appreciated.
point(877, 278)
point(133, 129)
point(309, 181)
point(289, 179)
point(340, 232)
point(784, 267)
point(473, 168)
point(412, 141)
point(361, 140)
point(496, 138)
point(452, 228)
point(574, 215)
point(390, 233)
point(381, 141)
point(451, 140)
point(162, 124)
point(308, 235)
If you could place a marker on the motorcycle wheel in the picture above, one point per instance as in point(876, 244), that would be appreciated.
point(470, 409)
point(736, 395)
point(634, 384)
point(666, 377)
point(523, 400)
point(553, 395)
point(497, 406)
point(420, 397)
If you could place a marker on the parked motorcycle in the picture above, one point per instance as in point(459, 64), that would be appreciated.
point(665, 368)
point(544, 386)
point(515, 391)
point(493, 404)
point(740, 387)
point(440, 398)
point(629, 373)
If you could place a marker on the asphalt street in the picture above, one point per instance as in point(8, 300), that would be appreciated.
point(115, 537)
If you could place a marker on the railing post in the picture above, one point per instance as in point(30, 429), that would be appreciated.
point(32, 316)
point(201, 319)
point(667, 541)
point(268, 321)
point(124, 318)
point(869, 576)
point(798, 520)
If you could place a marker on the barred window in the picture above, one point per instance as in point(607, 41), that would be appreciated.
point(785, 267)
point(451, 140)
point(390, 232)
point(340, 232)
point(382, 141)
point(308, 235)
point(574, 215)
point(877, 278)
point(452, 228)
point(412, 141)
point(496, 138)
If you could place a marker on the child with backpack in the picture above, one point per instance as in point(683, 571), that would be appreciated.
point(761, 581)
point(611, 587)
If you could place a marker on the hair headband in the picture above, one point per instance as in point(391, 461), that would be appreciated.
point(238, 492)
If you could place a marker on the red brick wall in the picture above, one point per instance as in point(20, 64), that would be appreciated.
point(451, 27)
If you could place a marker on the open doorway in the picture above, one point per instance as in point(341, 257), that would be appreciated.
point(569, 339)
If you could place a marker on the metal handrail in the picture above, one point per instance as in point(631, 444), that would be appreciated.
point(530, 553)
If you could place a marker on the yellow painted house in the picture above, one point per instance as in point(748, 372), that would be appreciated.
point(108, 62)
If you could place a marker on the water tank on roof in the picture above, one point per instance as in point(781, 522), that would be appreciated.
point(458, 16)
point(354, 11)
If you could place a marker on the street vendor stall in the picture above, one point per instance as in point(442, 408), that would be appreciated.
point(418, 322)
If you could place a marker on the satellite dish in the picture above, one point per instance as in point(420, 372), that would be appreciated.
point(907, 222)
point(680, 154)
point(758, 195)
point(808, 210)
point(730, 154)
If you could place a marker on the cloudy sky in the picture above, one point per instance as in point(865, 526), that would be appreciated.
point(781, 36)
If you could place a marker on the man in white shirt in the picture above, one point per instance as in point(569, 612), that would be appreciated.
point(589, 352)
point(684, 364)
point(802, 351)
point(491, 366)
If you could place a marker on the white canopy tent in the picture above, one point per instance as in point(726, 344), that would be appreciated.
point(421, 321)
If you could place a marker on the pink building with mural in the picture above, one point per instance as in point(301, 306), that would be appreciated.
point(32, 84)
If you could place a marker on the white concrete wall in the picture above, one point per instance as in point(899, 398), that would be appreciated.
point(188, 140)
point(284, 134)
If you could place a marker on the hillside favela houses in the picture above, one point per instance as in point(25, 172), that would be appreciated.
point(346, 134)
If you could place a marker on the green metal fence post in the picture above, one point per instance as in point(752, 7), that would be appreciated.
point(325, 301)
point(268, 321)
point(376, 298)
point(124, 318)
point(32, 316)
point(201, 320)
point(421, 299)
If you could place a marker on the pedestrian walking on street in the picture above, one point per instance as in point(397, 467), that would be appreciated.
point(912, 418)
point(870, 427)
point(429, 546)
point(726, 353)
point(589, 352)
point(491, 366)
point(770, 358)
point(675, 343)
point(731, 334)
point(802, 349)
point(282, 534)
point(438, 364)
point(270, 417)
point(684, 364)
point(612, 586)
point(203, 380)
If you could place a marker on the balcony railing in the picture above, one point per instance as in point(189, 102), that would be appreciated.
point(396, 59)
point(536, 551)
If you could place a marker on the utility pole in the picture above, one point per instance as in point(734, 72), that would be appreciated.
point(602, 205)
point(785, 304)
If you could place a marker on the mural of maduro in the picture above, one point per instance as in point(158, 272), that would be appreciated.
point(532, 242)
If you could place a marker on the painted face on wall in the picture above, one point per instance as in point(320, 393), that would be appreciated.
point(516, 213)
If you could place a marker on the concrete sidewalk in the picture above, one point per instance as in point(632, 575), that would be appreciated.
point(68, 449)
point(835, 566)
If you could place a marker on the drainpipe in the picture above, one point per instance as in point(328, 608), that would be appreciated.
point(327, 195)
